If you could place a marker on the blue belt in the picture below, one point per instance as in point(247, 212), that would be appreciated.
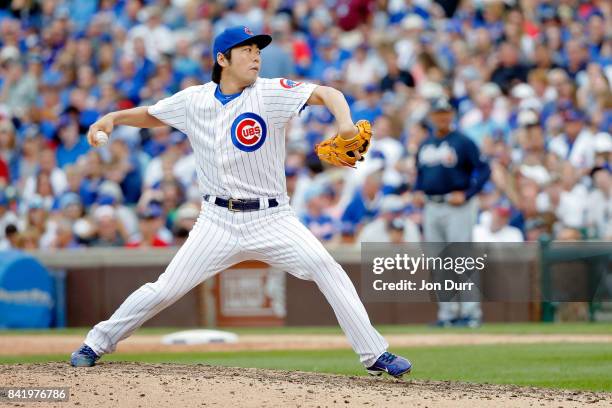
point(238, 204)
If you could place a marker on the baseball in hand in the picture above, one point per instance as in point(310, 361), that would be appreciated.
point(100, 138)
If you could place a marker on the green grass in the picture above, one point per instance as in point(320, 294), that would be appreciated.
point(558, 365)
point(490, 328)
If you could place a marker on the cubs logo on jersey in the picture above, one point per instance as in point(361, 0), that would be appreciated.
point(248, 132)
point(288, 84)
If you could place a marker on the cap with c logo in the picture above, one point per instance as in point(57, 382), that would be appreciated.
point(236, 36)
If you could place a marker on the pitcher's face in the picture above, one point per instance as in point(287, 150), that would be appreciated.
point(244, 64)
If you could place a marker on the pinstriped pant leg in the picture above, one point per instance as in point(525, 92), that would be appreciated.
point(295, 250)
point(208, 250)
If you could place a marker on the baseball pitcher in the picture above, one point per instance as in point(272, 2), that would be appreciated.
point(236, 127)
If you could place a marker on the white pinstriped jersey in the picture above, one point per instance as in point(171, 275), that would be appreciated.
point(240, 146)
point(239, 149)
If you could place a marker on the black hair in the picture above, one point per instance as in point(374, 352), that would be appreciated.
point(216, 72)
point(10, 230)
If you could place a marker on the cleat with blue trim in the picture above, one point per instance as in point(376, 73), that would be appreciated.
point(84, 357)
point(391, 364)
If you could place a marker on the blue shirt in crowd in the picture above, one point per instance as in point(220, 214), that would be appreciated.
point(357, 211)
point(69, 156)
point(322, 226)
point(451, 163)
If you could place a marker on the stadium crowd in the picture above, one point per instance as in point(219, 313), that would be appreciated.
point(529, 80)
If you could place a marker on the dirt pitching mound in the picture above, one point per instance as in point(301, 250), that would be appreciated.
point(119, 384)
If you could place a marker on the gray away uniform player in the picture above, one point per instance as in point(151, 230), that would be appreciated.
point(450, 173)
point(236, 127)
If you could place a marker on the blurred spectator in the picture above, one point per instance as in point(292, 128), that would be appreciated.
point(44, 190)
point(29, 239)
point(311, 168)
point(7, 217)
point(109, 228)
point(185, 219)
point(530, 138)
point(35, 220)
point(29, 159)
point(158, 38)
point(361, 69)
point(407, 46)
point(487, 125)
point(386, 151)
point(322, 225)
point(327, 56)
point(603, 150)
point(576, 145)
point(535, 228)
point(124, 169)
point(18, 90)
point(599, 204)
point(509, 70)
point(84, 231)
point(395, 77)
point(74, 178)
point(4, 173)
point(48, 177)
point(9, 155)
point(109, 194)
point(71, 206)
point(64, 238)
point(396, 229)
point(352, 13)
point(129, 18)
point(577, 54)
point(291, 174)
point(369, 107)
point(163, 148)
point(184, 65)
point(277, 58)
point(72, 144)
point(565, 197)
point(151, 226)
point(568, 234)
point(93, 172)
point(390, 225)
point(497, 230)
point(364, 205)
point(11, 240)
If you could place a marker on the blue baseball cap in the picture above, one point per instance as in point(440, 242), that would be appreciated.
point(106, 199)
point(291, 171)
point(152, 210)
point(177, 137)
point(441, 104)
point(236, 36)
point(573, 115)
point(370, 88)
point(69, 199)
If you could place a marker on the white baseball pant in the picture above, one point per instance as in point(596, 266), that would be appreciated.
point(221, 238)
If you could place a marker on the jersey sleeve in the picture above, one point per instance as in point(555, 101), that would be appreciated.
point(173, 109)
point(284, 98)
point(480, 169)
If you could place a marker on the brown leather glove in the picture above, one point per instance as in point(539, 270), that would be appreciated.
point(341, 152)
